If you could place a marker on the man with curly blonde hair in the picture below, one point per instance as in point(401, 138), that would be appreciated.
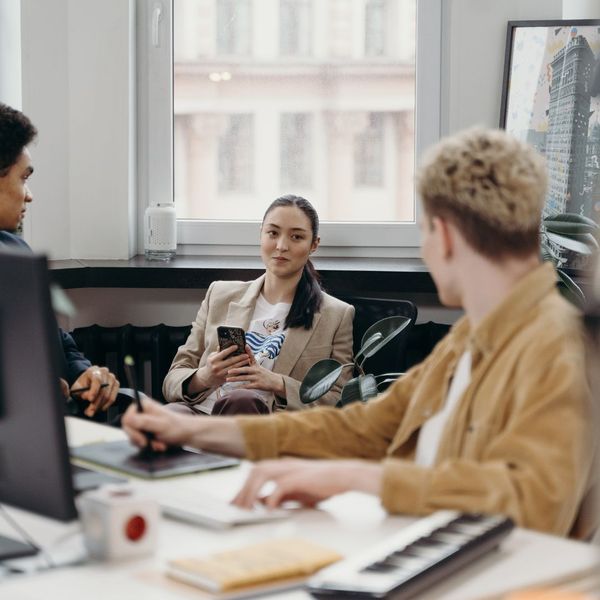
point(495, 420)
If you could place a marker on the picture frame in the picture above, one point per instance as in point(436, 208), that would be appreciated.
point(551, 99)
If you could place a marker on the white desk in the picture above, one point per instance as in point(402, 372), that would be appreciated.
point(347, 523)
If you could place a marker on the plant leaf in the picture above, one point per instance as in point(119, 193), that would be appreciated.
point(392, 375)
point(568, 228)
point(571, 218)
point(569, 289)
point(61, 303)
point(368, 387)
point(320, 378)
point(359, 388)
point(580, 247)
point(365, 347)
point(389, 327)
point(350, 392)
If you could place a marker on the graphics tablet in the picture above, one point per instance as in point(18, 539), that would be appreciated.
point(125, 457)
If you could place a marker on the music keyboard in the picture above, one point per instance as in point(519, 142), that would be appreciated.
point(414, 558)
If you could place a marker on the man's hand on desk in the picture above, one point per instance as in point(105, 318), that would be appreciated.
point(308, 481)
point(98, 386)
point(217, 434)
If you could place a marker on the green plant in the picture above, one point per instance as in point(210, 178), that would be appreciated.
point(572, 232)
point(322, 376)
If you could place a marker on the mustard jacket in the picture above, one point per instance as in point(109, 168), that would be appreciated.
point(232, 303)
point(518, 442)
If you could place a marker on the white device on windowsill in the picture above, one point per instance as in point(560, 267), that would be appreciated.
point(160, 231)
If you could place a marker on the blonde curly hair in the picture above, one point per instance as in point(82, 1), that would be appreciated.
point(491, 186)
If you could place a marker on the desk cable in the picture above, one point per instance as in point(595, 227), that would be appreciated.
point(25, 536)
point(13, 566)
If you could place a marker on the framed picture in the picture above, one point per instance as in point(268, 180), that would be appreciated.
point(551, 99)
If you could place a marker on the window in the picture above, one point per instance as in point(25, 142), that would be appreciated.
point(368, 153)
point(294, 27)
point(296, 151)
point(234, 19)
point(235, 155)
point(375, 19)
point(338, 126)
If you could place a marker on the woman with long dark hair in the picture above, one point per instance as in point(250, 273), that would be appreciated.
point(290, 324)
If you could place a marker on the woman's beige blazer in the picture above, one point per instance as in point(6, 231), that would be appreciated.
point(232, 303)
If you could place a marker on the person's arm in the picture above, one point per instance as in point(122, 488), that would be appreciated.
point(75, 362)
point(360, 430)
point(187, 360)
point(80, 373)
point(217, 434)
point(535, 470)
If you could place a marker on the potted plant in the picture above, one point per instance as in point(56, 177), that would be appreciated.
point(572, 232)
point(322, 375)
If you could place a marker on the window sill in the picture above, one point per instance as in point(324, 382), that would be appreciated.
point(358, 276)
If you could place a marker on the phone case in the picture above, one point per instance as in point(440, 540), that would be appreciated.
point(232, 336)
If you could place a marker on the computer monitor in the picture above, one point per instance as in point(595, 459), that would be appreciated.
point(34, 456)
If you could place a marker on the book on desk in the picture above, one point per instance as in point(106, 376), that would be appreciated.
point(258, 568)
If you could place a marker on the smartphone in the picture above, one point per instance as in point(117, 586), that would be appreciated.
point(232, 336)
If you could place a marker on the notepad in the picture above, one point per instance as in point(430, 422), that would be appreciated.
point(272, 565)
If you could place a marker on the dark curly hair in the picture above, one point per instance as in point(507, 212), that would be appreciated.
point(16, 132)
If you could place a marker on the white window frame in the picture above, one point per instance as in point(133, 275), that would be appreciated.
point(155, 144)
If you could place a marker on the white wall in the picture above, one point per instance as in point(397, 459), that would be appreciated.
point(10, 53)
point(473, 56)
point(78, 89)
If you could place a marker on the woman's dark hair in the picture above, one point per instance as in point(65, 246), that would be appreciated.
point(308, 296)
point(16, 132)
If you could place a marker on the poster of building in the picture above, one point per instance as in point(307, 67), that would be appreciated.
point(551, 99)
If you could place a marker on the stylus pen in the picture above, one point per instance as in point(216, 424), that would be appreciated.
point(86, 388)
point(132, 382)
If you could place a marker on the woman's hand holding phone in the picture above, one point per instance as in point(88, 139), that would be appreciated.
point(255, 377)
point(219, 363)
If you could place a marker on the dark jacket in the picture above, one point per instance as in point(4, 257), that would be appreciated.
point(74, 361)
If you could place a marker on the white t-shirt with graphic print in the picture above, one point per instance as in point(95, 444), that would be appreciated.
point(265, 336)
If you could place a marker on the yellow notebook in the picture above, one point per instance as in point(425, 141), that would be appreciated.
point(275, 564)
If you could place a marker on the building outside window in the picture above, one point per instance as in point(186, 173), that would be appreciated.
point(234, 27)
point(296, 151)
point(236, 155)
point(368, 153)
point(375, 27)
point(337, 126)
point(295, 29)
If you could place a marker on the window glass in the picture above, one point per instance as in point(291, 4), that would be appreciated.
point(295, 32)
point(296, 151)
point(234, 27)
point(291, 96)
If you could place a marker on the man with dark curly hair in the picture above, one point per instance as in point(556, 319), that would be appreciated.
point(16, 133)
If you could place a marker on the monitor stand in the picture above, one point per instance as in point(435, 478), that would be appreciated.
point(10, 548)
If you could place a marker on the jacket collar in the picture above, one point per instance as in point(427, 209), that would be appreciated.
point(509, 315)
point(239, 313)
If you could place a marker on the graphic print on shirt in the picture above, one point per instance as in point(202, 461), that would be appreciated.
point(266, 345)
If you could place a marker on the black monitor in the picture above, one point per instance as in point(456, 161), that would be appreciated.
point(34, 456)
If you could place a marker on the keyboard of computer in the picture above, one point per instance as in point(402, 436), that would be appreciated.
point(414, 558)
point(203, 509)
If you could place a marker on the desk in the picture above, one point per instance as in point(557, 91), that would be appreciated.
point(346, 523)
